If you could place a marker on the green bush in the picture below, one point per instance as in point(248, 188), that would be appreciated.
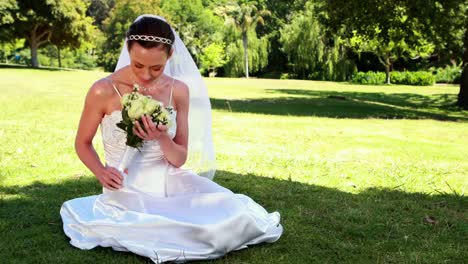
point(70, 58)
point(369, 77)
point(412, 78)
point(285, 76)
point(449, 74)
point(408, 78)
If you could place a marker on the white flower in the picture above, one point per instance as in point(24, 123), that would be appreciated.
point(151, 106)
point(125, 99)
point(136, 110)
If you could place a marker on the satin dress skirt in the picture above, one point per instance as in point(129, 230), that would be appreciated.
point(168, 214)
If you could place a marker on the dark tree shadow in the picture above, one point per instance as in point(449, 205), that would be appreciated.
point(349, 105)
point(322, 225)
point(41, 68)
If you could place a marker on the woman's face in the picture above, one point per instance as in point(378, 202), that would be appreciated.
point(147, 64)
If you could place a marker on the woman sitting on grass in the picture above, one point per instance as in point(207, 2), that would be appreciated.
point(160, 211)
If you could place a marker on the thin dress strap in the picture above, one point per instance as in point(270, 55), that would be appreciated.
point(170, 97)
point(115, 88)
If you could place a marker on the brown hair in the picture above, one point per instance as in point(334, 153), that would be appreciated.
point(150, 26)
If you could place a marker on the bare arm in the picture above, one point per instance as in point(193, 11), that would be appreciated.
point(91, 117)
point(175, 150)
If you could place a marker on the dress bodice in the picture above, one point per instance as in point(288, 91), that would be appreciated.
point(113, 139)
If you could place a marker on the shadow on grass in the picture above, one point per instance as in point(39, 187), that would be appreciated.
point(349, 105)
point(41, 68)
point(322, 225)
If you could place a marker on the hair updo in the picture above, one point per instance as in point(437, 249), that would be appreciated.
point(150, 26)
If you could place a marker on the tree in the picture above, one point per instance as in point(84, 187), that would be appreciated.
point(213, 57)
point(38, 21)
point(196, 24)
point(380, 27)
point(388, 51)
point(8, 48)
point(116, 25)
point(99, 11)
point(312, 54)
point(442, 23)
point(257, 57)
point(244, 17)
point(446, 22)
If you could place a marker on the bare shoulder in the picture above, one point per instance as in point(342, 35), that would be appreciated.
point(99, 96)
point(101, 89)
point(181, 90)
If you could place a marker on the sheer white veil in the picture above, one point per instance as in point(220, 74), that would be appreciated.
point(201, 158)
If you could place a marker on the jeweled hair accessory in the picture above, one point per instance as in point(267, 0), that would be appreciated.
point(150, 38)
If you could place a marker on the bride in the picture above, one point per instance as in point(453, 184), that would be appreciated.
point(155, 208)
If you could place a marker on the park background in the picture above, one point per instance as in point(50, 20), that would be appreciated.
point(347, 117)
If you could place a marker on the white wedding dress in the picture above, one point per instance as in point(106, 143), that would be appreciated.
point(163, 212)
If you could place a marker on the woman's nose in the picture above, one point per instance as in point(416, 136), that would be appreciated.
point(146, 75)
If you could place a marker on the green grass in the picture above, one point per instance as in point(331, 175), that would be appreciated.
point(353, 170)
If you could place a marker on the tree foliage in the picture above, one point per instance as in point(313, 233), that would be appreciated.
point(446, 23)
point(407, 25)
point(38, 21)
point(196, 25)
point(245, 17)
point(386, 30)
point(213, 57)
point(311, 53)
point(99, 11)
point(308, 39)
point(116, 25)
point(257, 57)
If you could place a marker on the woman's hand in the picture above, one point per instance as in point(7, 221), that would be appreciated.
point(110, 178)
point(149, 131)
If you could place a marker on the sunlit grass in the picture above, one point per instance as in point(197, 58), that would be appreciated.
point(352, 169)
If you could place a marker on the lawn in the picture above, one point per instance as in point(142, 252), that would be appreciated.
point(360, 174)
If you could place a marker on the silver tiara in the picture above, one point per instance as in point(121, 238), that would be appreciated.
point(150, 38)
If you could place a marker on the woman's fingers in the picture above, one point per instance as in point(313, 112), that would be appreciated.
point(112, 179)
point(137, 130)
point(109, 186)
point(112, 184)
point(150, 131)
point(162, 128)
point(116, 173)
point(147, 123)
point(141, 132)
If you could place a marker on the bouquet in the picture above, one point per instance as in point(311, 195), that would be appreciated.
point(134, 106)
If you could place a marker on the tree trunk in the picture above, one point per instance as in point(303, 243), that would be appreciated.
point(463, 94)
point(36, 40)
point(387, 74)
point(388, 66)
point(246, 54)
point(59, 58)
point(386, 62)
point(33, 46)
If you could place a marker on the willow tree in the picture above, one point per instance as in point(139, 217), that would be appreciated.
point(245, 17)
point(311, 53)
point(257, 57)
